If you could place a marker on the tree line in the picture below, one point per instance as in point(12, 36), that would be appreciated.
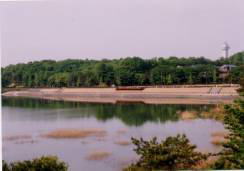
point(128, 71)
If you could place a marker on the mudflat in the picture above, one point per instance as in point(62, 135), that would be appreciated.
point(150, 95)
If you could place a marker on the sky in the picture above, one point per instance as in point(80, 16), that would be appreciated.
point(98, 29)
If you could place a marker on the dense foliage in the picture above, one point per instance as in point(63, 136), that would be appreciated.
point(127, 71)
point(241, 89)
point(171, 154)
point(232, 155)
point(49, 163)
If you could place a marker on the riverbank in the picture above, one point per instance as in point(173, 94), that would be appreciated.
point(165, 95)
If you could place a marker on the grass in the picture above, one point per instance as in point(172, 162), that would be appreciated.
point(75, 133)
point(98, 155)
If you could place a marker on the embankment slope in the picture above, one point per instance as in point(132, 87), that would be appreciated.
point(166, 95)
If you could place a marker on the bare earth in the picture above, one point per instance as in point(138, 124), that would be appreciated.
point(170, 95)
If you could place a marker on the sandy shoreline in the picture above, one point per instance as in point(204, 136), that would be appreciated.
point(198, 95)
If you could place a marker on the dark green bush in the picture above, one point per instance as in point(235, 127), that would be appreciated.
point(232, 155)
point(5, 166)
point(45, 163)
point(171, 154)
point(241, 89)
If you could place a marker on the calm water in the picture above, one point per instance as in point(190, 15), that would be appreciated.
point(33, 118)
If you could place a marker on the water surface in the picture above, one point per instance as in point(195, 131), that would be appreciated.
point(33, 118)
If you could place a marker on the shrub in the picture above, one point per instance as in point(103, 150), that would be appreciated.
point(241, 89)
point(45, 163)
point(5, 166)
point(232, 155)
point(172, 153)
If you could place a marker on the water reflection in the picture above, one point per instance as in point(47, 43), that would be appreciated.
point(130, 114)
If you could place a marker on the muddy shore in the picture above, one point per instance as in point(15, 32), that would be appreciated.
point(197, 95)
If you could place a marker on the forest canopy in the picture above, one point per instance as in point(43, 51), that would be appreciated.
point(128, 71)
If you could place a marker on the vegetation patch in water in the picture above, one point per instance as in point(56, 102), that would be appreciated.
point(218, 140)
point(122, 131)
point(188, 115)
point(220, 134)
point(26, 142)
point(16, 137)
point(217, 113)
point(75, 133)
point(98, 155)
point(122, 143)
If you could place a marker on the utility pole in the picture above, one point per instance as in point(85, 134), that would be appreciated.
point(226, 49)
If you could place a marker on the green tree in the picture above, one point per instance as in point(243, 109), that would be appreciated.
point(5, 166)
point(36, 79)
point(190, 80)
point(125, 71)
point(169, 79)
point(237, 74)
point(214, 76)
point(90, 79)
point(232, 155)
point(157, 75)
point(241, 89)
point(171, 154)
point(238, 58)
point(48, 163)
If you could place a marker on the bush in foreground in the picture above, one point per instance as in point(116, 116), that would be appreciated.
point(45, 163)
point(232, 155)
point(241, 89)
point(171, 154)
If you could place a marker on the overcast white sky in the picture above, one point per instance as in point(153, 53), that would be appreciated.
point(36, 30)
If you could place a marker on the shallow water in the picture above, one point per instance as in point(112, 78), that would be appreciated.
point(26, 120)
